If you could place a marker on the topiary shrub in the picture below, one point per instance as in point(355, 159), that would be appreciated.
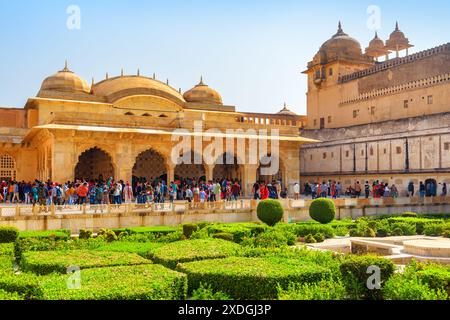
point(322, 210)
point(189, 229)
point(310, 239)
point(319, 237)
point(8, 234)
point(270, 212)
point(224, 236)
point(85, 234)
point(409, 215)
point(107, 235)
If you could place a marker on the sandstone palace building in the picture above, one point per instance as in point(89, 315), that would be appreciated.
point(387, 121)
point(382, 114)
point(122, 128)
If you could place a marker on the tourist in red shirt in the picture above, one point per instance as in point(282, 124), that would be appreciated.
point(264, 192)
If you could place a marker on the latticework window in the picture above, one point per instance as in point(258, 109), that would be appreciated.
point(7, 167)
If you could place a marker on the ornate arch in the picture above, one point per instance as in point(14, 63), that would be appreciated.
point(150, 164)
point(94, 162)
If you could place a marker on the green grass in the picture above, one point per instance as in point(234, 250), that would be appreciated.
point(192, 250)
point(143, 282)
point(251, 278)
point(46, 262)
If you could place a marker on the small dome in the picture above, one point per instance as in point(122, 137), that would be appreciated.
point(286, 112)
point(341, 45)
point(376, 47)
point(397, 40)
point(376, 43)
point(65, 80)
point(201, 93)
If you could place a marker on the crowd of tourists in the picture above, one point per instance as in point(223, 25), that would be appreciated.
point(378, 189)
point(118, 192)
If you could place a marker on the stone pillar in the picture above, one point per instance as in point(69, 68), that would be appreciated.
point(64, 161)
point(209, 170)
point(249, 178)
point(123, 163)
point(170, 172)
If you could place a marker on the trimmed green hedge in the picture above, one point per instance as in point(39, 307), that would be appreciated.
point(143, 282)
point(403, 288)
point(157, 231)
point(140, 248)
point(24, 284)
point(9, 296)
point(46, 262)
point(6, 264)
point(8, 234)
point(240, 231)
point(251, 278)
point(6, 249)
point(193, 250)
point(62, 234)
point(304, 229)
point(354, 270)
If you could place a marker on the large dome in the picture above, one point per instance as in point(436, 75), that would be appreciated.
point(66, 81)
point(116, 88)
point(341, 45)
point(201, 93)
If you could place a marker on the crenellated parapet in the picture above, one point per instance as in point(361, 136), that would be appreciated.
point(394, 63)
point(412, 85)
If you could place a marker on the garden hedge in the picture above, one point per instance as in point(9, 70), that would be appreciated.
point(193, 250)
point(157, 231)
point(304, 229)
point(46, 262)
point(354, 274)
point(143, 282)
point(251, 278)
point(240, 231)
point(8, 234)
point(62, 234)
point(270, 212)
point(24, 284)
point(9, 296)
point(140, 248)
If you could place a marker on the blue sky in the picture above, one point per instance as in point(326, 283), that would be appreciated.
point(251, 51)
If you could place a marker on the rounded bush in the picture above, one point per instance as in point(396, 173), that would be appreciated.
point(8, 234)
point(322, 210)
point(270, 212)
